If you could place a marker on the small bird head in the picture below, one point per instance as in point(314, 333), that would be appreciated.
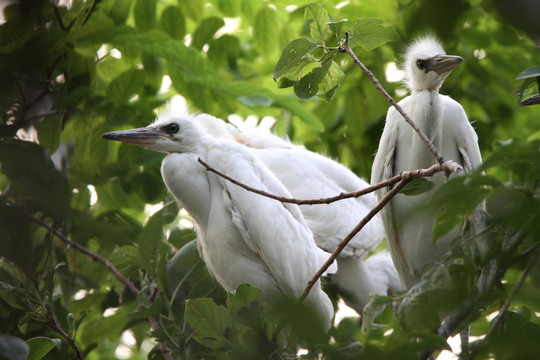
point(166, 134)
point(427, 65)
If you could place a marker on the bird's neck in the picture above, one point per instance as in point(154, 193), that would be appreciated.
point(426, 112)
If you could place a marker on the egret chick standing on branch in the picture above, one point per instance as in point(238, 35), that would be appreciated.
point(443, 120)
point(242, 237)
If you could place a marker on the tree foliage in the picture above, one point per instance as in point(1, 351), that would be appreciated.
point(71, 73)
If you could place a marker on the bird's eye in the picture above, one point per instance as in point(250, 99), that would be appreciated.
point(421, 64)
point(172, 128)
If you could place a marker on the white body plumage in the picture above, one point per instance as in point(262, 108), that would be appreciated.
point(443, 120)
point(243, 237)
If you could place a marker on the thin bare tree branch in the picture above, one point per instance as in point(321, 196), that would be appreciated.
point(123, 280)
point(346, 49)
point(448, 166)
point(53, 325)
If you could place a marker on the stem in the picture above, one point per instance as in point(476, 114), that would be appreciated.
point(53, 325)
point(396, 189)
point(425, 139)
point(110, 267)
point(447, 166)
point(87, 252)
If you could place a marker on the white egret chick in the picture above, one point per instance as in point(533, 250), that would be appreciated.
point(443, 120)
point(308, 175)
point(242, 237)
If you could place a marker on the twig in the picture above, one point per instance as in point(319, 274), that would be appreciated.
point(53, 325)
point(448, 166)
point(396, 189)
point(346, 49)
point(110, 267)
point(87, 252)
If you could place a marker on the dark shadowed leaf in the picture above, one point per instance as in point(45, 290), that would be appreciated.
point(34, 177)
point(145, 14)
point(13, 348)
point(417, 186)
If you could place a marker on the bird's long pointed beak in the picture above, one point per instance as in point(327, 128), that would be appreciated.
point(146, 136)
point(533, 100)
point(443, 64)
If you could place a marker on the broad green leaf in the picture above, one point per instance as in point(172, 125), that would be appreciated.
point(293, 56)
point(145, 14)
point(173, 22)
point(370, 33)
point(125, 86)
point(41, 346)
point(151, 237)
point(209, 322)
point(308, 85)
point(230, 8)
point(318, 29)
point(187, 276)
point(242, 297)
point(332, 80)
point(153, 73)
point(192, 8)
point(205, 31)
point(265, 30)
point(225, 51)
point(13, 348)
point(35, 178)
point(120, 11)
point(531, 72)
point(296, 107)
point(417, 186)
point(49, 130)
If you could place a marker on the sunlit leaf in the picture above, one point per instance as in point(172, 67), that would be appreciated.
point(265, 30)
point(173, 23)
point(294, 56)
point(370, 33)
point(318, 28)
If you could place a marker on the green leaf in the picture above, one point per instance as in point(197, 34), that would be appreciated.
point(308, 85)
point(205, 31)
point(145, 14)
point(173, 22)
point(242, 297)
point(293, 58)
point(417, 186)
point(318, 28)
point(35, 178)
point(151, 237)
point(41, 346)
point(187, 276)
point(49, 130)
point(209, 322)
point(120, 11)
point(332, 80)
point(370, 33)
point(125, 86)
point(265, 30)
point(13, 348)
point(531, 72)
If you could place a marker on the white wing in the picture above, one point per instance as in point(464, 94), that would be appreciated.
point(383, 169)
point(276, 232)
point(457, 126)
